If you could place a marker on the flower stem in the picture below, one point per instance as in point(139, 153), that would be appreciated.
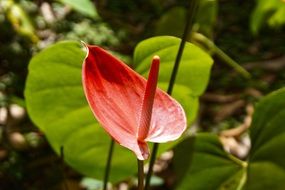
point(151, 164)
point(188, 28)
point(140, 175)
point(108, 165)
point(65, 186)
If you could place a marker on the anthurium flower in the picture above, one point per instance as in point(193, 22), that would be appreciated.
point(130, 108)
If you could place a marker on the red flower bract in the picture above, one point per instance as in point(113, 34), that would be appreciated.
point(130, 108)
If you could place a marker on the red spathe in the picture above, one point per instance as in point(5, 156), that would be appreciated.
point(131, 111)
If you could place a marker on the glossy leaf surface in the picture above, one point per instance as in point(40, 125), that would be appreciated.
point(56, 104)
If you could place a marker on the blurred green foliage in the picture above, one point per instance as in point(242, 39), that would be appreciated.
point(266, 12)
point(83, 6)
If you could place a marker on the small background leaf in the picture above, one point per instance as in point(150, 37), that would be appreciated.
point(267, 12)
point(83, 6)
point(205, 19)
point(170, 19)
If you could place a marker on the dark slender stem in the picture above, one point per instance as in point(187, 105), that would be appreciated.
point(151, 164)
point(140, 175)
point(188, 28)
point(65, 186)
point(108, 165)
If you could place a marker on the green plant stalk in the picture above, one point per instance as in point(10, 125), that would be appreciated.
point(231, 62)
point(65, 186)
point(187, 30)
point(108, 165)
point(242, 180)
point(151, 164)
point(242, 163)
point(201, 39)
point(140, 175)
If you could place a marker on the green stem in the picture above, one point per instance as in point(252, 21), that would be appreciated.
point(65, 186)
point(200, 38)
point(188, 28)
point(238, 161)
point(108, 165)
point(140, 175)
point(231, 62)
point(151, 164)
point(242, 180)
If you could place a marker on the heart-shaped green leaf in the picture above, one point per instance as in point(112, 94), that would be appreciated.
point(56, 104)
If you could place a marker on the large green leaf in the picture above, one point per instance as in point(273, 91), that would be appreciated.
point(208, 166)
point(201, 163)
point(84, 6)
point(195, 65)
point(56, 104)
